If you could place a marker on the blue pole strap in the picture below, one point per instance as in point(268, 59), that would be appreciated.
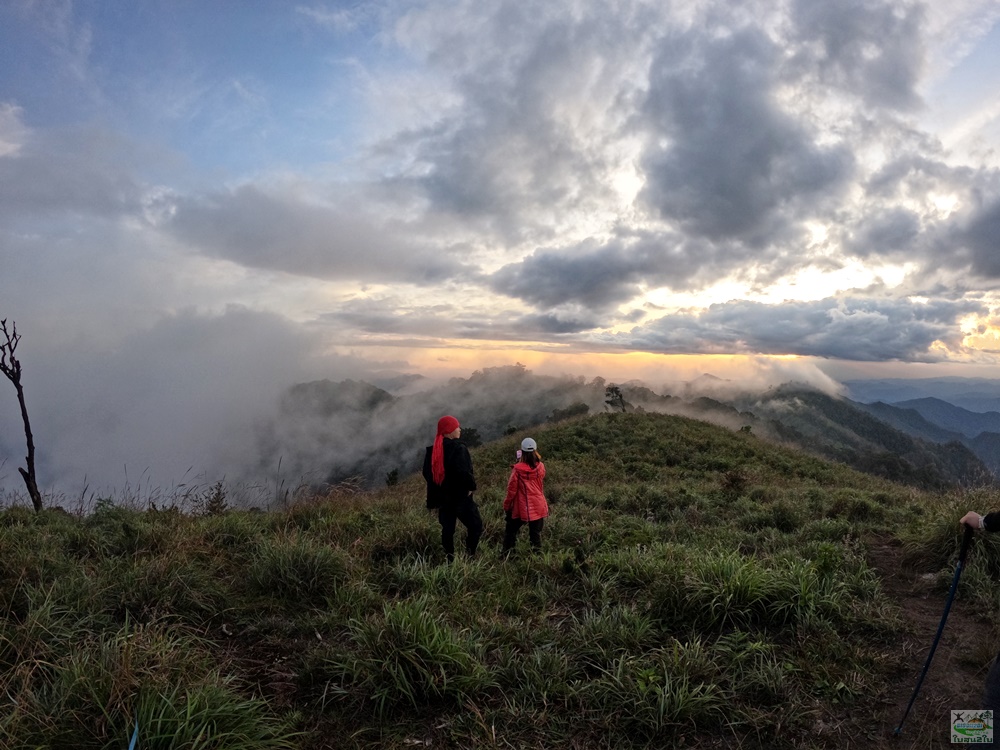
point(135, 735)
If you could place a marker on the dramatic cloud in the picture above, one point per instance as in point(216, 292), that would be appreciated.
point(532, 146)
point(884, 234)
point(724, 159)
point(871, 50)
point(254, 228)
point(455, 181)
point(843, 328)
point(598, 277)
point(981, 238)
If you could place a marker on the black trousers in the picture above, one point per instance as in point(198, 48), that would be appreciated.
point(514, 525)
point(467, 512)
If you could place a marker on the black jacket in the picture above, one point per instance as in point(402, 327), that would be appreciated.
point(459, 479)
point(991, 521)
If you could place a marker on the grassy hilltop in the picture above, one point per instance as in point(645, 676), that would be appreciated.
point(698, 588)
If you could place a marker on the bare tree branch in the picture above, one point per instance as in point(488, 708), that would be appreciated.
point(10, 366)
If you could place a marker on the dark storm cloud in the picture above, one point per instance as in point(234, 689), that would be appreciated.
point(561, 323)
point(263, 230)
point(600, 276)
point(396, 319)
point(909, 170)
point(901, 222)
point(724, 160)
point(884, 234)
point(873, 50)
point(852, 328)
point(596, 275)
point(982, 242)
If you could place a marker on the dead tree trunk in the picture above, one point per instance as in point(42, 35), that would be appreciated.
point(11, 368)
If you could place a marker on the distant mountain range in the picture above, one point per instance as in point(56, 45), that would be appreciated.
point(328, 431)
point(941, 422)
point(951, 417)
point(905, 447)
point(978, 395)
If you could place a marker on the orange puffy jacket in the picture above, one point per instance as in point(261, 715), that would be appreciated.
point(525, 494)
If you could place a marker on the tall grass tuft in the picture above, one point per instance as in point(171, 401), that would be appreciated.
point(87, 691)
point(649, 698)
point(408, 658)
point(297, 569)
point(210, 716)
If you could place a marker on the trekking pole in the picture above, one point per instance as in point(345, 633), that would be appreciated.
point(962, 554)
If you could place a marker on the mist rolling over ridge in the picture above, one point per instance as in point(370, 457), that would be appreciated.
point(326, 432)
point(182, 408)
point(197, 400)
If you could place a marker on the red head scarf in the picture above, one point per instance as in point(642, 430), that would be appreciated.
point(446, 425)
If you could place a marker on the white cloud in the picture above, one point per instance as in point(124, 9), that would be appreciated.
point(12, 130)
point(339, 19)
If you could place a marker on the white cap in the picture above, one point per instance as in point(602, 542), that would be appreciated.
point(528, 444)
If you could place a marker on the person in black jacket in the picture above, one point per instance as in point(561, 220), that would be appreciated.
point(450, 484)
point(991, 693)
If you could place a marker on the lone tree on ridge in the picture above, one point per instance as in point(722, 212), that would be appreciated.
point(10, 366)
point(614, 397)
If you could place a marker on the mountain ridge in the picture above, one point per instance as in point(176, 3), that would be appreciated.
point(953, 417)
point(327, 431)
point(930, 419)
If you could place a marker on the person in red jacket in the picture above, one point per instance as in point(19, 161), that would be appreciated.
point(525, 502)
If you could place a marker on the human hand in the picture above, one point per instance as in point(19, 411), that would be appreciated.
point(972, 520)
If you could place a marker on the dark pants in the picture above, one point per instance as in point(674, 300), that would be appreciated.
point(991, 694)
point(468, 513)
point(514, 525)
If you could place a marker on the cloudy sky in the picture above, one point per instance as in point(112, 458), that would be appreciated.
point(202, 202)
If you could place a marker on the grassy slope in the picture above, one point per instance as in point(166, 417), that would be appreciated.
point(697, 588)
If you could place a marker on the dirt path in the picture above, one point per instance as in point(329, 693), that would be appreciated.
point(957, 672)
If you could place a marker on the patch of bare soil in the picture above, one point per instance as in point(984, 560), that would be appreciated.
point(957, 671)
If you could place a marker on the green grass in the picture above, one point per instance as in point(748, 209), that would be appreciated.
point(694, 583)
